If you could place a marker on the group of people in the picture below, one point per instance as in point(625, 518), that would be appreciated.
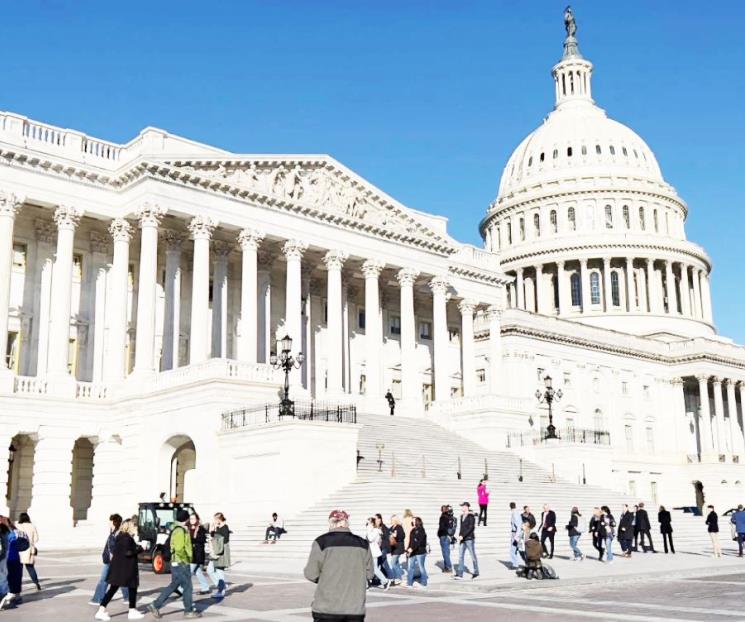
point(192, 547)
point(17, 551)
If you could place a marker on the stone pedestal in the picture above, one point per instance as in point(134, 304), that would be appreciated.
point(52, 481)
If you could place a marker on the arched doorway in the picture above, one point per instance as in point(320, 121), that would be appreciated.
point(20, 474)
point(700, 497)
point(178, 459)
point(81, 492)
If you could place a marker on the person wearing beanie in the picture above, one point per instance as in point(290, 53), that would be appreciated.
point(181, 557)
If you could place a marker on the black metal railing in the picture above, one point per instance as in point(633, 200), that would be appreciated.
point(305, 411)
point(581, 436)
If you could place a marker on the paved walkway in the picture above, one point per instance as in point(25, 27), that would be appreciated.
point(647, 588)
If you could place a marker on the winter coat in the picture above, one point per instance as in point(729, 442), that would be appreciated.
point(220, 547)
point(29, 555)
point(738, 520)
point(123, 569)
point(482, 491)
point(198, 542)
point(626, 526)
point(572, 526)
point(385, 544)
point(467, 527)
point(665, 521)
point(712, 522)
point(642, 520)
point(418, 544)
point(442, 526)
point(398, 531)
point(374, 537)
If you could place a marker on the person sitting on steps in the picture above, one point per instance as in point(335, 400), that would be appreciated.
point(275, 529)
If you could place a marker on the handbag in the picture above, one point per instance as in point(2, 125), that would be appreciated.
point(392, 540)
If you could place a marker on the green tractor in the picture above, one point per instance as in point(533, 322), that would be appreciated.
point(155, 521)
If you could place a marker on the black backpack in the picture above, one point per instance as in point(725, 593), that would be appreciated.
point(452, 525)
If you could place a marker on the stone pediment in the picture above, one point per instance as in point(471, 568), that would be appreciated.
point(318, 187)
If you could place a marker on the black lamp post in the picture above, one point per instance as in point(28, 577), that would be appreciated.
point(548, 396)
point(286, 362)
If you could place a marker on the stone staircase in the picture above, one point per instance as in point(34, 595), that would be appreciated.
point(420, 461)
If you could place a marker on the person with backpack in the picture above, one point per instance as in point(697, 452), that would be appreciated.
point(396, 539)
point(28, 557)
point(626, 530)
point(115, 522)
point(123, 572)
point(609, 524)
point(181, 559)
point(597, 529)
point(482, 492)
point(576, 527)
point(16, 543)
point(445, 531)
point(467, 541)
point(219, 554)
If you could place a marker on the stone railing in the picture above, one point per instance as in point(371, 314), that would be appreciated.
point(480, 403)
point(215, 369)
point(567, 436)
point(91, 390)
point(30, 385)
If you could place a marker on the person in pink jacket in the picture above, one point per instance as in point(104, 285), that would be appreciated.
point(482, 491)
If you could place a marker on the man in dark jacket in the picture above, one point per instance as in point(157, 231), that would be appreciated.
point(115, 521)
point(340, 564)
point(467, 541)
point(644, 527)
point(626, 530)
point(548, 530)
point(443, 535)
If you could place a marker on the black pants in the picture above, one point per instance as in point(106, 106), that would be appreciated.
point(482, 513)
point(597, 542)
point(548, 535)
point(645, 532)
point(668, 537)
point(335, 617)
point(112, 590)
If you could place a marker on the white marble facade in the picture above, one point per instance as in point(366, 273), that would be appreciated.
point(143, 287)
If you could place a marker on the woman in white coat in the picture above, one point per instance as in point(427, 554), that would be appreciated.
point(374, 537)
point(28, 557)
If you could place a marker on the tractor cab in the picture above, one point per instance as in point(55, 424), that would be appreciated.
point(154, 524)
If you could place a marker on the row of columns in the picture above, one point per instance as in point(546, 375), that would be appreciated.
point(717, 435)
point(695, 295)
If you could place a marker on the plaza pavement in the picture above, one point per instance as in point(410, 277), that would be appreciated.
point(646, 588)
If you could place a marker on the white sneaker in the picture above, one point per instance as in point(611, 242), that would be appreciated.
point(102, 615)
point(135, 615)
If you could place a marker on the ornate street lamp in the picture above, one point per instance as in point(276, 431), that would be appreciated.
point(549, 396)
point(11, 453)
point(286, 362)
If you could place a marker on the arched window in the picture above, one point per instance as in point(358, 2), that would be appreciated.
point(563, 85)
point(530, 161)
point(569, 152)
point(571, 83)
point(626, 217)
point(555, 287)
point(594, 288)
point(572, 219)
point(542, 156)
point(576, 287)
point(598, 420)
point(642, 221)
point(612, 150)
point(499, 237)
point(556, 153)
point(584, 149)
point(598, 150)
point(625, 152)
point(636, 154)
point(656, 222)
point(508, 223)
point(537, 225)
point(615, 289)
point(554, 223)
point(608, 217)
point(667, 223)
point(522, 229)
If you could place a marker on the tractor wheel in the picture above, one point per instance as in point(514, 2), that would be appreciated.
point(159, 563)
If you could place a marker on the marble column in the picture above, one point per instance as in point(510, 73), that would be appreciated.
point(653, 294)
point(685, 291)
point(67, 219)
point(221, 250)
point(672, 296)
point(293, 250)
point(697, 308)
point(249, 240)
point(561, 287)
point(439, 287)
point(45, 239)
point(706, 297)
point(264, 275)
point(371, 269)
point(468, 356)
point(106, 493)
point(116, 343)
point(334, 260)
point(541, 299)
point(150, 215)
point(99, 251)
point(9, 206)
point(520, 285)
point(630, 293)
point(348, 292)
point(734, 427)
point(585, 280)
point(494, 317)
point(721, 430)
point(201, 229)
point(704, 417)
point(410, 384)
point(680, 420)
point(607, 287)
point(172, 320)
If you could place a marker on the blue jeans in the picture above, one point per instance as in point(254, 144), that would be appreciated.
point(396, 569)
point(609, 548)
point(217, 575)
point(414, 562)
point(573, 540)
point(469, 545)
point(101, 586)
point(180, 578)
point(445, 546)
point(515, 550)
point(196, 569)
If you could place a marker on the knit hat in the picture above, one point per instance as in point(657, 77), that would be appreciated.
point(182, 516)
point(338, 515)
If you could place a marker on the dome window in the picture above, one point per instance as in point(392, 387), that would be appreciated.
point(543, 157)
point(572, 218)
point(656, 222)
point(612, 150)
point(569, 152)
point(530, 161)
point(556, 153)
point(508, 224)
point(608, 217)
point(554, 223)
point(598, 150)
point(636, 155)
point(537, 225)
point(522, 229)
point(595, 288)
point(576, 288)
point(644, 155)
point(625, 152)
point(615, 289)
point(584, 149)
point(642, 221)
point(626, 217)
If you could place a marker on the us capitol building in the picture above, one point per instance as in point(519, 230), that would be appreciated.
point(144, 286)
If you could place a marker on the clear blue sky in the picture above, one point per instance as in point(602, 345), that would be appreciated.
point(426, 99)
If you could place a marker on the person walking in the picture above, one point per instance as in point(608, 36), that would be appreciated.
point(609, 524)
point(644, 527)
point(340, 564)
point(198, 536)
point(482, 492)
point(712, 526)
point(467, 541)
point(115, 522)
point(548, 530)
point(219, 560)
point(385, 545)
point(576, 527)
point(12, 578)
point(626, 530)
point(738, 520)
point(666, 528)
point(444, 535)
point(516, 527)
point(374, 537)
point(636, 530)
point(123, 571)
point(181, 559)
point(28, 557)
point(597, 529)
point(396, 539)
point(417, 553)
point(391, 402)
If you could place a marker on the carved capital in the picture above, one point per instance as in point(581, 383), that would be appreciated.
point(716, 381)
point(250, 239)
point(494, 314)
point(677, 381)
point(10, 204)
point(67, 216)
point(372, 268)
point(406, 277)
point(439, 285)
point(201, 227)
point(334, 259)
point(45, 231)
point(99, 242)
point(222, 248)
point(172, 239)
point(467, 307)
point(703, 378)
point(150, 214)
point(120, 230)
point(294, 249)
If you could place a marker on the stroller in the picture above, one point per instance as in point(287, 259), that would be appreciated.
point(535, 568)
